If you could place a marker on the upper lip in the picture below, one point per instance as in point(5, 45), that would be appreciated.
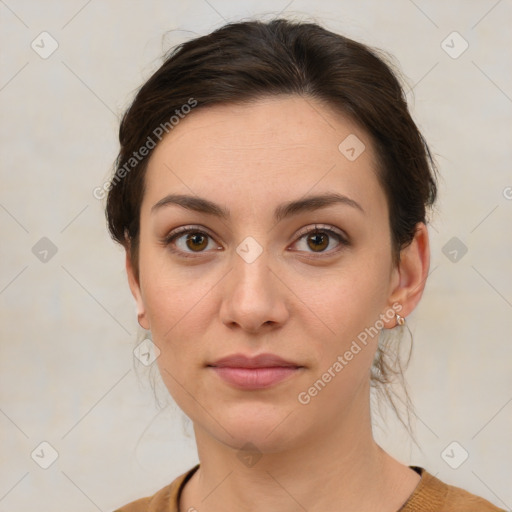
point(259, 361)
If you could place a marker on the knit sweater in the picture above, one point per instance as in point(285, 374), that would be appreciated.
point(430, 495)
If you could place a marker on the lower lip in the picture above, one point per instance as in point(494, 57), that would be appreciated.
point(254, 378)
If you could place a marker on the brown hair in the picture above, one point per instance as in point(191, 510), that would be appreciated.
point(247, 60)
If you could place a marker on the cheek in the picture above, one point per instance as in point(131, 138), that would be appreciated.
point(348, 303)
point(171, 293)
point(174, 309)
point(348, 298)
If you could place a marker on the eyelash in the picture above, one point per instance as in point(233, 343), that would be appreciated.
point(171, 237)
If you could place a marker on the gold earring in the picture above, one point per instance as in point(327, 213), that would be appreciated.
point(400, 320)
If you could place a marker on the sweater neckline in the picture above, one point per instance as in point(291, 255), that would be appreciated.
point(427, 480)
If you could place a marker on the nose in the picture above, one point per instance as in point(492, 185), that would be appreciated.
point(254, 297)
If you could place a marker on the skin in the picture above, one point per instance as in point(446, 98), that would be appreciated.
point(303, 303)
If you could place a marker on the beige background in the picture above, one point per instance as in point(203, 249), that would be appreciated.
point(68, 326)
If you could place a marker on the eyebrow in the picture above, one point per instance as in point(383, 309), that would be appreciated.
point(284, 210)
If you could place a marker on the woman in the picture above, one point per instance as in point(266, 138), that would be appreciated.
point(271, 193)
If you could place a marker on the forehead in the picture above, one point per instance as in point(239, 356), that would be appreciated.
point(264, 151)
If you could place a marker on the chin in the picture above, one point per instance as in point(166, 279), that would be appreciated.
point(267, 427)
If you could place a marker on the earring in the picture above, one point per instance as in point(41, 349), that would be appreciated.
point(400, 320)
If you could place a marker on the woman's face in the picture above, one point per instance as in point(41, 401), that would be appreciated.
point(257, 280)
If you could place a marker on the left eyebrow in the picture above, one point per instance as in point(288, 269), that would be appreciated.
point(312, 203)
point(284, 210)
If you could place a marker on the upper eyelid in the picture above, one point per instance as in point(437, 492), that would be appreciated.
point(322, 227)
point(303, 231)
point(184, 230)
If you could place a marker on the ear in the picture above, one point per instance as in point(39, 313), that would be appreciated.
point(136, 292)
point(410, 274)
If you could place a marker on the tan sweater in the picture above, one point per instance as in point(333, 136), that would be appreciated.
point(430, 495)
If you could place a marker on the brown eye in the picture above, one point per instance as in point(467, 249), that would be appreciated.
point(196, 241)
point(186, 241)
point(318, 241)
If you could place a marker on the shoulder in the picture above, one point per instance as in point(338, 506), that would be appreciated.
point(434, 495)
point(166, 498)
point(458, 499)
point(150, 503)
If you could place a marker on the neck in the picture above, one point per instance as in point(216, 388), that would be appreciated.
point(338, 463)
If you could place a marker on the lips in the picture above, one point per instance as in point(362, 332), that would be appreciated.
point(259, 361)
point(254, 373)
